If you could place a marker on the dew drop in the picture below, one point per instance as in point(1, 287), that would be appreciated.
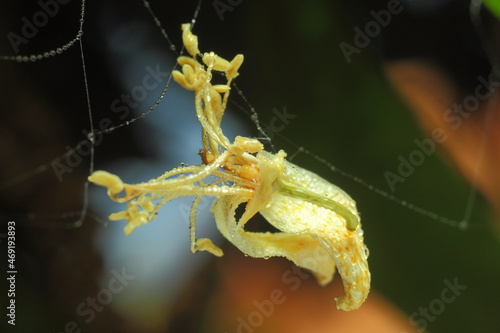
point(463, 225)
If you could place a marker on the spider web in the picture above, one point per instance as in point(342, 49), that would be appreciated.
point(245, 106)
point(94, 136)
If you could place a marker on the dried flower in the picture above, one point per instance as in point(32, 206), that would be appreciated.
point(319, 223)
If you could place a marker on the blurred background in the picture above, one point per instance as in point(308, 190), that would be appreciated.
point(362, 85)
